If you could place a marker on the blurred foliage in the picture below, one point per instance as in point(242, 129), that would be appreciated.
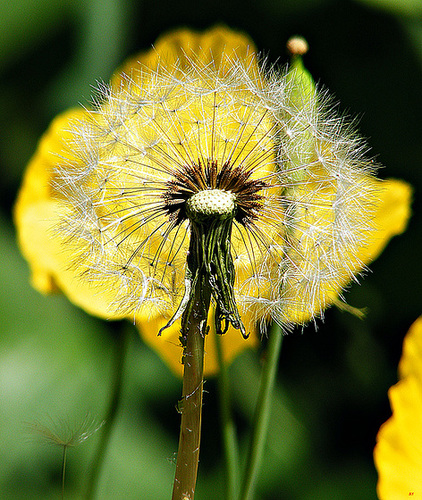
point(56, 362)
point(412, 8)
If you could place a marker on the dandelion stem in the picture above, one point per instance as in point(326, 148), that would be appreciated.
point(194, 329)
point(191, 407)
point(210, 272)
point(227, 424)
point(121, 348)
point(262, 413)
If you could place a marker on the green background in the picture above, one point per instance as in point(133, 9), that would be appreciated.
point(56, 362)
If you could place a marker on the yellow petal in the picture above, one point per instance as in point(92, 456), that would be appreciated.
point(37, 214)
point(181, 46)
point(32, 210)
point(392, 199)
point(391, 216)
point(411, 360)
point(398, 453)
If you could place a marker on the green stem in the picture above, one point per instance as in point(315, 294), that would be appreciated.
point(191, 407)
point(110, 418)
point(262, 413)
point(227, 424)
point(193, 331)
point(210, 272)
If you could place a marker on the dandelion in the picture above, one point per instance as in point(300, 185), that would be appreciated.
point(65, 435)
point(170, 150)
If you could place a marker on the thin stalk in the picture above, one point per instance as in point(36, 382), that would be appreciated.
point(191, 406)
point(64, 456)
point(113, 405)
point(227, 425)
point(262, 413)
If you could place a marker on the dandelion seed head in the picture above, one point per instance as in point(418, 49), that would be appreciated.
point(63, 433)
point(164, 145)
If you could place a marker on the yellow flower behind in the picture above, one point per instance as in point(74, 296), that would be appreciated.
point(104, 195)
point(398, 453)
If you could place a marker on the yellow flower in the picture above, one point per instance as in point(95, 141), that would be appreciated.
point(105, 206)
point(398, 453)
